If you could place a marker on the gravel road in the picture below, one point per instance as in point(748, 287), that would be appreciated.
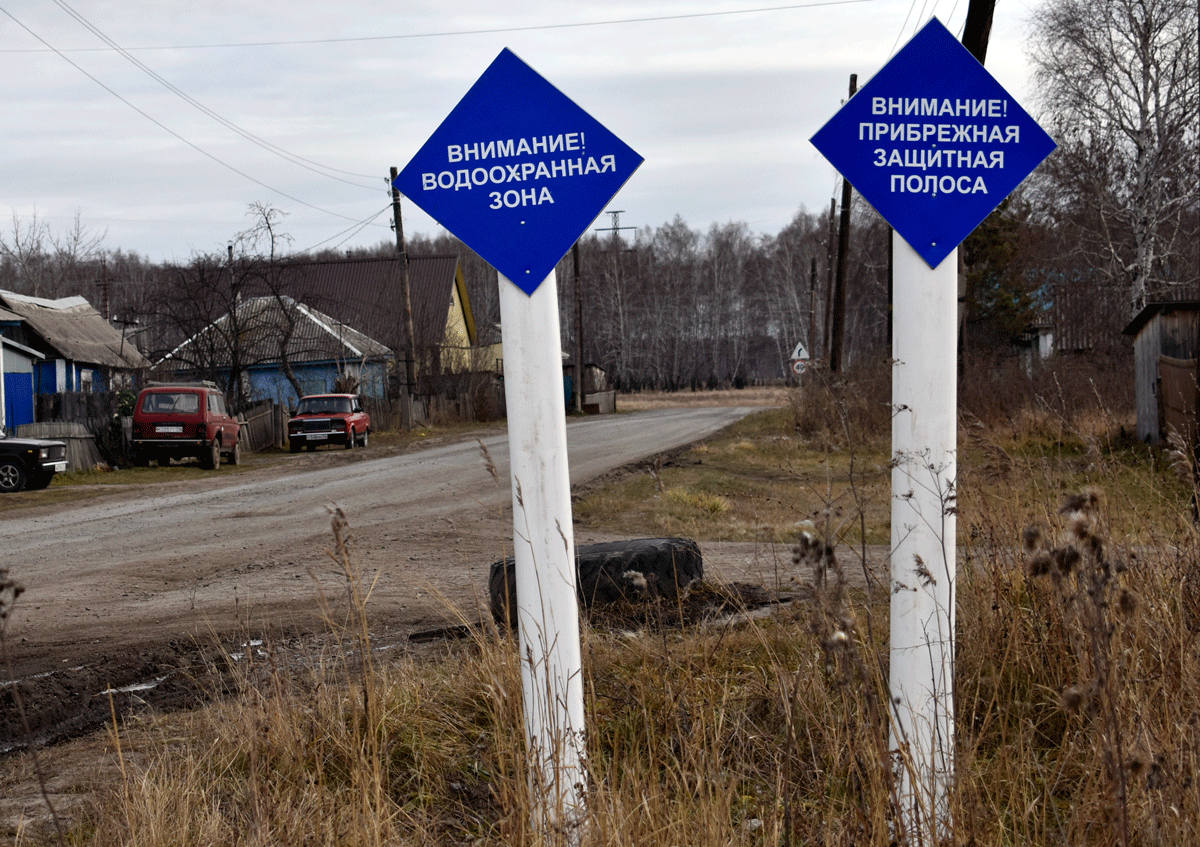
point(122, 587)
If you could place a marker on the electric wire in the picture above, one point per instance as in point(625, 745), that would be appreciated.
point(349, 232)
point(307, 164)
point(172, 132)
point(488, 31)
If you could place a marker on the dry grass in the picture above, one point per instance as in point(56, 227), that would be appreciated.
point(760, 395)
point(1076, 679)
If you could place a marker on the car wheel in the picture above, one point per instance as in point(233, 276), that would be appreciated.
point(350, 439)
point(366, 438)
point(639, 569)
point(211, 459)
point(12, 477)
point(294, 445)
point(235, 455)
point(312, 448)
point(164, 461)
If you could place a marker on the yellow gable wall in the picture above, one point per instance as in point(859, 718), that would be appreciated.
point(460, 330)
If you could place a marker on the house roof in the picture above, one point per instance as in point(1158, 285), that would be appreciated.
point(75, 330)
point(365, 293)
point(1161, 307)
point(263, 322)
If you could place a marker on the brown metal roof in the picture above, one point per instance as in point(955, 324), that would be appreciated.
point(365, 294)
point(76, 330)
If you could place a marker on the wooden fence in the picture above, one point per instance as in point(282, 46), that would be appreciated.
point(82, 452)
point(264, 426)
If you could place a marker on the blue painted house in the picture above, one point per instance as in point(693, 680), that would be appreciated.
point(17, 364)
point(272, 335)
point(55, 346)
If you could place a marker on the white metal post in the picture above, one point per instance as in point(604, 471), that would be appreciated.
point(924, 416)
point(544, 551)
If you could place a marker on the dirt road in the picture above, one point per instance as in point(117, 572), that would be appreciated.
point(121, 589)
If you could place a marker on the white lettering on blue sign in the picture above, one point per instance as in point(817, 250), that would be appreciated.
point(460, 179)
point(567, 142)
point(947, 142)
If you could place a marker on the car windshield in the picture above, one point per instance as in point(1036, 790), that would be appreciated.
point(324, 406)
point(183, 402)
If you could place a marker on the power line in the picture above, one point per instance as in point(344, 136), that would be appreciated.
point(459, 32)
point(307, 164)
point(172, 132)
point(349, 232)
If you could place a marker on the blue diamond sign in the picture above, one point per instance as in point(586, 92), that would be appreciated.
point(517, 171)
point(933, 142)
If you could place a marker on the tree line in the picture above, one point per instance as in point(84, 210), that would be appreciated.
point(1106, 225)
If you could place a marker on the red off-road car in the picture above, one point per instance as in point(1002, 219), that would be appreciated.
point(329, 419)
point(180, 420)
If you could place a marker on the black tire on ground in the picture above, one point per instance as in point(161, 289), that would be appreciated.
point(351, 438)
point(235, 455)
point(311, 447)
point(12, 477)
point(164, 461)
point(140, 459)
point(637, 570)
point(294, 445)
point(38, 481)
point(210, 460)
point(366, 438)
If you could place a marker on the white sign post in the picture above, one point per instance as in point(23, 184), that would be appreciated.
point(924, 433)
point(544, 550)
point(518, 171)
point(934, 143)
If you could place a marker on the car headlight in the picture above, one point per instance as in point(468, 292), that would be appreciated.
point(44, 453)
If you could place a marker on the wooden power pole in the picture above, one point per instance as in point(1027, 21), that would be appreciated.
point(839, 287)
point(405, 308)
point(579, 386)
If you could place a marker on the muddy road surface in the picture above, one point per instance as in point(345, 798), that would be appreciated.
point(121, 591)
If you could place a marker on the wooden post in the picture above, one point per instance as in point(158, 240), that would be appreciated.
point(579, 381)
point(406, 320)
point(843, 257)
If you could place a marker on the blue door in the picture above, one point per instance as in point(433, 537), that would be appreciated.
point(18, 399)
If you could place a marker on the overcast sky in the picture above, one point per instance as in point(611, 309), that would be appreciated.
point(158, 121)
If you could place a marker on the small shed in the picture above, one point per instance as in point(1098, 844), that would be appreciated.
point(1166, 343)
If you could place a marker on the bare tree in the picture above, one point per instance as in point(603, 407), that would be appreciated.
point(1120, 90)
point(45, 264)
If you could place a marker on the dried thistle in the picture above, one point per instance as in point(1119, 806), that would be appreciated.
point(1031, 538)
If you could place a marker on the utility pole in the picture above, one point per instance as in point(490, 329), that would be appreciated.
point(406, 420)
point(616, 223)
point(615, 229)
point(103, 286)
point(579, 387)
point(976, 31)
point(812, 308)
point(839, 288)
point(830, 260)
point(978, 28)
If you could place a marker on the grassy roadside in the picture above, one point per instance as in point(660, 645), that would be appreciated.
point(1076, 674)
